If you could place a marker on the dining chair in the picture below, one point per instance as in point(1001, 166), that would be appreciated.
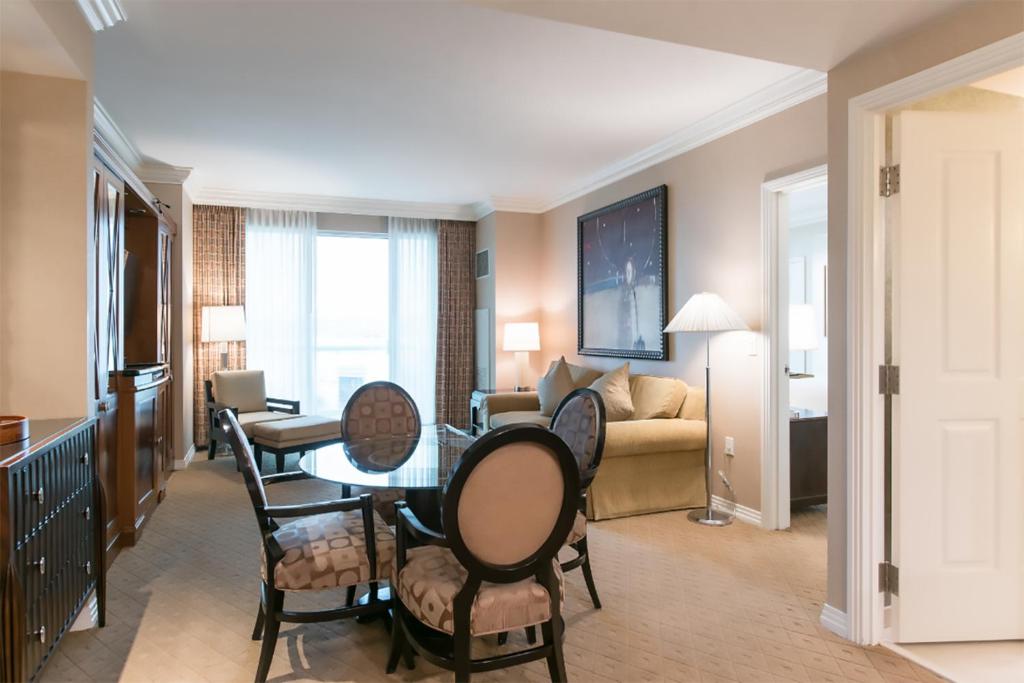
point(506, 511)
point(311, 546)
point(379, 409)
point(580, 421)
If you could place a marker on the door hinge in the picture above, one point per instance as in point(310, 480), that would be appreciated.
point(888, 578)
point(888, 380)
point(889, 180)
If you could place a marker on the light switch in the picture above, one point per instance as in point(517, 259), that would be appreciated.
point(730, 446)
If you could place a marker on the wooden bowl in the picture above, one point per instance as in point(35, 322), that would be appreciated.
point(13, 428)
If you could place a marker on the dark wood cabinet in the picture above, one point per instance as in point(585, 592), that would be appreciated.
point(132, 240)
point(808, 459)
point(51, 547)
point(142, 439)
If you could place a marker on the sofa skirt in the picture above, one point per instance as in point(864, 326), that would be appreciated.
point(651, 482)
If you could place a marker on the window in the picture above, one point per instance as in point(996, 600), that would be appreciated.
point(351, 315)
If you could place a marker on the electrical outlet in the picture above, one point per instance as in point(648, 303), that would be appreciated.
point(730, 446)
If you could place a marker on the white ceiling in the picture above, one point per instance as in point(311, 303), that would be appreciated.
point(808, 207)
point(816, 34)
point(422, 102)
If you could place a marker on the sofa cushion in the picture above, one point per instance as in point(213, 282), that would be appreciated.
point(245, 390)
point(637, 437)
point(554, 386)
point(614, 389)
point(656, 396)
point(519, 417)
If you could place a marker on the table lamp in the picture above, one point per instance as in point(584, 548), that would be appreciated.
point(803, 334)
point(223, 324)
point(521, 338)
point(707, 313)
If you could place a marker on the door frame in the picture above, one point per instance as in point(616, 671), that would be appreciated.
point(775, 494)
point(865, 283)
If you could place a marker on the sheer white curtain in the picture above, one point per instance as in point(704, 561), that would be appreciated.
point(280, 272)
point(412, 337)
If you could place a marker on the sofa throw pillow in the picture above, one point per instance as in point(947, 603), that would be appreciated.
point(553, 387)
point(614, 389)
point(656, 397)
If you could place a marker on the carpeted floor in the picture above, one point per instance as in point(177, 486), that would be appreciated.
point(681, 603)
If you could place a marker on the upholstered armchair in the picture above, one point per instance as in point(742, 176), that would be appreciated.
point(507, 509)
point(243, 392)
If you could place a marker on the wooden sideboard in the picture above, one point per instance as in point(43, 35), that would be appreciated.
point(132, 240)
point(51, 545)
point(808, 459)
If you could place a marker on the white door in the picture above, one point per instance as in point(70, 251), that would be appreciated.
point(958, 337)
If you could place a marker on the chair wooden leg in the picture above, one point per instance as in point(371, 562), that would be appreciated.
point(552, 633)
point(397, 641)
point(463, 656)
point(588, 574)
point(211, 447)
point(257, 630)
point(274, 603)
point(279, 461)
point(350, 596)
point(257, 453)
point(531, 635)
point(502, 637)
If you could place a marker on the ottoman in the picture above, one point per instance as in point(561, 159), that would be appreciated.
point(300, 433)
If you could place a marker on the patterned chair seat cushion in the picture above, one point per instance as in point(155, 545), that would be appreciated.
point(432, 577)
point(579, 529)
point(329, 551)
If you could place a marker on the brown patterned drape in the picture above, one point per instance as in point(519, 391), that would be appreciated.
point(456, 299)
point(218, 279)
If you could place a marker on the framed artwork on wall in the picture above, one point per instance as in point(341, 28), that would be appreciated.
point(622, 283)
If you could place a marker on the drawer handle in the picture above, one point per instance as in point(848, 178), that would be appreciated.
point(41, 634)
point(41, 564)
point(38, 495)
point(88, 513)
point(88, 567)
point(85, 458)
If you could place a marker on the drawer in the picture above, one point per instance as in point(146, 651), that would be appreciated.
point(65, 539)
point(47, 483)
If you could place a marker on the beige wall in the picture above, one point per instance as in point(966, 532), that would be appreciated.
point(965, 30)
point(45, 145)
point(714, 244)
point(181, 313)
point(517, 289)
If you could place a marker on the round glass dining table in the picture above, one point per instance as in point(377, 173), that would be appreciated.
point(420, 464)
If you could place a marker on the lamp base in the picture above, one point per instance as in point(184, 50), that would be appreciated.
point(709, 517)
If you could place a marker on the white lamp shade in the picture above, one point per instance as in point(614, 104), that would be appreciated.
point(803, 332)
point(706, 312)
point(223, 323)
point(522, 337)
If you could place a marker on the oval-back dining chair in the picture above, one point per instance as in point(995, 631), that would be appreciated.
point(507, 509)
point(580, 421)
point(313, 546)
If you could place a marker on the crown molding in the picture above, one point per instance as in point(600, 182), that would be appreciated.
point(789, 92)
point(114, 137)
point(154, 173)
point(328, 204)
point(101, 14)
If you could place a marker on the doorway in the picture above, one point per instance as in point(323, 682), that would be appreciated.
point(795, 425)
point(936, 383)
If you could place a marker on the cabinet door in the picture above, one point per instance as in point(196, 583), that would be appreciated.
point(164, 304)
point(106, 467)
point(147, 471)
point(108, 246)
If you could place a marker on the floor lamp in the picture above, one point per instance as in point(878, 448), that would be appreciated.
point(707, 313)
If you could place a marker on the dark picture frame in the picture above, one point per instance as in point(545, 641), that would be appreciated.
point(622, 278)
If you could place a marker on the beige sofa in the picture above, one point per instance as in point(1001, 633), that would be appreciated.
point(649, 465)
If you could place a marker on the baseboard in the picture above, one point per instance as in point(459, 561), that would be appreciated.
point(835, 621)
point(187, 460)
point(740, 512)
